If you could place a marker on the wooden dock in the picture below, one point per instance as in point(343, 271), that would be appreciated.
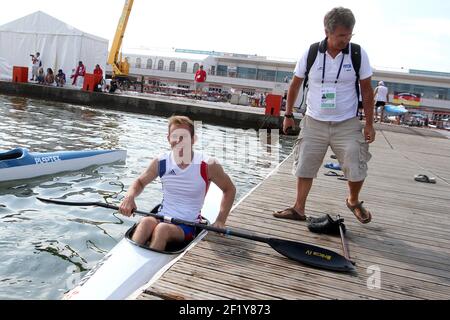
point(408, 239)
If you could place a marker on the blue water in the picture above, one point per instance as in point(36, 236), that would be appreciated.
point(46, 249)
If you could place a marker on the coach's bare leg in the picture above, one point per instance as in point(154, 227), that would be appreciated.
point(303, 188)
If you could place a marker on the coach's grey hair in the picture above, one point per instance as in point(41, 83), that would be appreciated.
point(339, 17)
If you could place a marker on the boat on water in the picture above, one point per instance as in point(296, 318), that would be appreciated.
point(19, 163)
point(128, 269)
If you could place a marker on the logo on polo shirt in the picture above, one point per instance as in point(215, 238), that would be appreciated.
point(348, 67)
point(172, 173)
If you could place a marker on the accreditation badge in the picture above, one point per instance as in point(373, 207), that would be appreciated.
point(328, 100)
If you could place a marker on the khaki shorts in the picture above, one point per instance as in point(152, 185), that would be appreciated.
point(345, 139)
point(199, 85)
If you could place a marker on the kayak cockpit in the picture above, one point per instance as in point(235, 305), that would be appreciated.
point(174, 248)
point(12, 154)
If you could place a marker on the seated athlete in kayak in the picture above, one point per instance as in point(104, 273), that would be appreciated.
point(185, 177)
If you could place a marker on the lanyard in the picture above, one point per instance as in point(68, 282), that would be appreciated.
point(324, 64)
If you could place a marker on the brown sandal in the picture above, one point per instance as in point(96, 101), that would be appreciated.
point(289, 213)
point(359, 211)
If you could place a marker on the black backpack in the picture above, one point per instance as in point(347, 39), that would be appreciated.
point(322, 47)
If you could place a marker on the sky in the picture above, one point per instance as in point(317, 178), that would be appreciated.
point(397, 34)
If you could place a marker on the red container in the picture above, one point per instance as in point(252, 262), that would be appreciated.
point(20, 74)
point(273, 105)
point(89, 82)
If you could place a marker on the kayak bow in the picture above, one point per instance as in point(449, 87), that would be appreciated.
point(19, 163)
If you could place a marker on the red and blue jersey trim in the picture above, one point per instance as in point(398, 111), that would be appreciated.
point(162, 167)
point(204, 174)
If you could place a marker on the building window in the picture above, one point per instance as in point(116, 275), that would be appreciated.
point(232, 72)
point(246, 73)
point(283, 76)
point(172, 66)
point(184, 67)
point(160, 65)
point(138, 63)
point(196, 67)
point(266, 75)
point(222, 71)
point(149, 63)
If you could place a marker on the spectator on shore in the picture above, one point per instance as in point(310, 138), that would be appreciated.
point(60, 78)
point(200, 79)
point(381, 94)
point(36, 64)
point(104, 85)
point(73, 74)
point(113, 86)
point(262, 100)
point(41, 76)
point(50, 77)
point(284, 101)
point(78, 76)
point(98, 70)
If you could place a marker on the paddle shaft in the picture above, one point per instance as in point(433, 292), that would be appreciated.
point(344, 243)
point(227, 231)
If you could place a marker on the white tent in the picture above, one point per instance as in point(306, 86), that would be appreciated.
point(5, 70)
point(61, 46)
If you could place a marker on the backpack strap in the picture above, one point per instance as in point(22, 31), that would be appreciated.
point(312, 55)
point(356, 57)
point(356, 61)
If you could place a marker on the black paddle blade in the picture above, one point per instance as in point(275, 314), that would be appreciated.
point(312, 255)
point(68, 203)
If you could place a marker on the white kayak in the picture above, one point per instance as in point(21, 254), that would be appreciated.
point(18, 164)
point(128, 269)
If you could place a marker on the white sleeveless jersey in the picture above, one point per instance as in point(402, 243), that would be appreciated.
point(184, 191)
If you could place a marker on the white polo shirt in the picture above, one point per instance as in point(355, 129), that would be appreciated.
point(382, 93)
point(346, 98)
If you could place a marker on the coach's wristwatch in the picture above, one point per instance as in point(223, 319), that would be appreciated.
point(289, 116)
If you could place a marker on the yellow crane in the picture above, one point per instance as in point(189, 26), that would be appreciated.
point(121, 67)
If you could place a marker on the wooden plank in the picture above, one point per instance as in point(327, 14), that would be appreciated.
point(250, 211)
point(402, 233)
point(285, 278)
point(362, 244)
point(269, 258)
